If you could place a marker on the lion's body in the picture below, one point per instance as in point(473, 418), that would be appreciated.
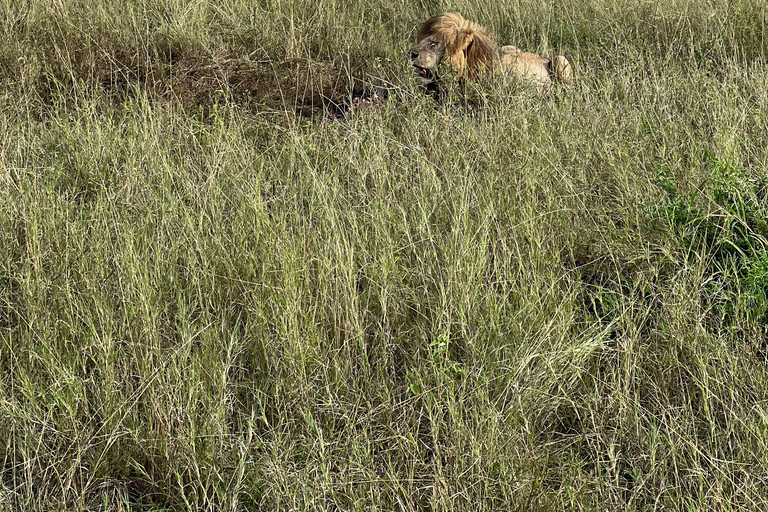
point(539, 69)
point(469, 47)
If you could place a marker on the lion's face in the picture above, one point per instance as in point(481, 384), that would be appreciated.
point(426, 56)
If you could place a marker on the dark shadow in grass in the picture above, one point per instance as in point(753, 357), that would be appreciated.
point(200, 79)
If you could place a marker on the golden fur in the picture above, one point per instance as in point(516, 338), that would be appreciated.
point(469, 46)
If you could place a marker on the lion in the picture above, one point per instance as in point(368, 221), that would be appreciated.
point(468, 47)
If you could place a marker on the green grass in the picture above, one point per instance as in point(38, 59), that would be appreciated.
point(214, 298)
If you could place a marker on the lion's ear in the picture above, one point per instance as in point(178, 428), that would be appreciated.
point(480, 51)
point(459, 40)
point(456, 45)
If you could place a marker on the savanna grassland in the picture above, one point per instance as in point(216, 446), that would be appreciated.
point(217, 295)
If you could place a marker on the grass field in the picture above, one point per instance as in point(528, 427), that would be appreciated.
point(214, 296)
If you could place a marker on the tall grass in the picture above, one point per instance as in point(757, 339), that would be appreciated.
point(215, 297)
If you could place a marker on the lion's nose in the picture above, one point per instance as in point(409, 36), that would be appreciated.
point(414, 55)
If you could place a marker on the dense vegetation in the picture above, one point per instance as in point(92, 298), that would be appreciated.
point(215, 295)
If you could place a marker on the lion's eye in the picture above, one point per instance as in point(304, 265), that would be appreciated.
point(433, 43)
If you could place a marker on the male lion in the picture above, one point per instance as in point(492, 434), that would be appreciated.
point(469, 47)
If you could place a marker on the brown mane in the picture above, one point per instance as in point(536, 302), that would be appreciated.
point(467, 44)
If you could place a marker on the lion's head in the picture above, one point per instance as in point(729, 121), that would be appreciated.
point(449, 37)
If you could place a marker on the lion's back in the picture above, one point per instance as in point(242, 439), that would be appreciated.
point(523, 63)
